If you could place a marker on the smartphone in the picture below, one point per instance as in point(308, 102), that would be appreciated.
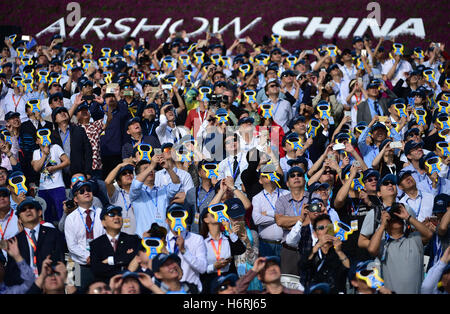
point(331, 156)
point(382, 118)
point(157, 151)
point(363, 53)
point(112, 88)
point(338, 146)
point(356, 163)
point(141, 42)
point(26, 37)
point(330, 230)
point(397, 144)
point(347, 113)
point(360, 81)
point(166, 86)
point(88, 97)
point(323, 70)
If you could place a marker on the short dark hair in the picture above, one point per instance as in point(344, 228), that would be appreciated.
point(320, 218)
point(137, 169)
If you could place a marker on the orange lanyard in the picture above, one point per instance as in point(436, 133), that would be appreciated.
point(16, 103)
point(357, 101)
point(33, 245)
point(7, 223)
point(217, 251)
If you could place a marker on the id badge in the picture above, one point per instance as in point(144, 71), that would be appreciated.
point(354, 225)
point(196, 218)
point(88, 241)
point(126, 222)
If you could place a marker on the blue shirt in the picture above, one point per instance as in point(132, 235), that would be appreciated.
point(370, 152)
point(443, 186)
point(150, 204)
point(373, 108)
point(111, 142)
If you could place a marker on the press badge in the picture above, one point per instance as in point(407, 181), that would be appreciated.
point(354, 225)
point(126, 223)
point(196, 218)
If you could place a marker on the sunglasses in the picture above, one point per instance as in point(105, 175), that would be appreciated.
point(57, 99)
point(114, 214)
point(322, 227)
point(372, 179)
point(127, 173)
point(329, 172)
point(167, 149)
point(386, 183)
point(272, 86)
point(84, 190)
point(225, 286)
point(296, 174)
point(80, 178)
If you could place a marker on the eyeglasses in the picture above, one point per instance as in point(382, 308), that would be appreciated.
point(80, 178)
point(372, 179)
point(386, 183)
point(322, 227)
point(272, 86)
point(296, 174)
point(84, 190)
point(101, 289)
point(114, 214)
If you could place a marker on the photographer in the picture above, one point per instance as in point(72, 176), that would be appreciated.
point(400, 250)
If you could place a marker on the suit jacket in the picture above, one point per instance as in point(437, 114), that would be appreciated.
point(50, 242)
point(364, 109)
point(80, 149)
point(101, 249)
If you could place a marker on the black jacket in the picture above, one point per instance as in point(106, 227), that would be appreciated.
point(101, 249)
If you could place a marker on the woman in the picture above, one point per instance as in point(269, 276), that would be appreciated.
point(326, 262)
point(220, 248)
point(268, 130)
point(356, 96)
point(387, 162)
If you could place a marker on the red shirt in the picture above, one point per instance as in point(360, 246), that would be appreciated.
point(195, 119)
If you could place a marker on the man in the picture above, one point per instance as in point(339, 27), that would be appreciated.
point(414, 152)
point(403, 269)
point(268, 270)
point(224, 284)
point(288, 211)
point(162, 177)
point(188, 246)
point(86, 95)
point(361, 285)
point(197, 200)
point(419, 200)
point(150, 201)
point(74, 141)
point(51, 280)
point(379, 132)
point(167, 269)
point(374, 105)
point(235, 162)
point(433, 183)
point(55, 99)
point(9, 223)
point(111, 142)
point(282, 112)
point(36, 241)
point(82, 226)
point(119, 195)
point(112, 252)
point(168, 131)
point(263, 213)
point(149, 121)
point(15, 99)
point(134, 130)
point(437, 280)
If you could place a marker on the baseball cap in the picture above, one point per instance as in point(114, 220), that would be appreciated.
point(77, 186)
point(298, 160)
point(246, 120)
point(388, 177)
point(11, 114)
point(412, 130)
point(28, 201)
point(53, 96)
point(384, 143)
point(370, 173)
point(81, 107)
point(132, 120)
point(317, 185)
point(440, 203)
point(320, 288)
point(58, 110)
point(129, 274)
point(217, 282)
point(402, 174)
point(108, 209)
point(410, 145)
point(356, 39)
point(235, 208)
point(161, 258)
point(295, 169)
point(123, 169)
point(378, 125)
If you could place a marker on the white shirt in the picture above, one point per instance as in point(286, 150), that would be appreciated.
point(75, 232)
point(9, 225)
point(162, 178)
point(226, 168)
point(282, 113)
point(46, 110)
point(402, 67)
point(265, 202)
point(122, 198)
point(194, 260)
point(225, 251)
point(55, 179)
point(9, 104)
point(422, 205)
point(111, 258)
point(168, 135)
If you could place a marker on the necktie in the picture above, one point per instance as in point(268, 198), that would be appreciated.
point(235, 168)
point(89, 231)
point(33, 237)
point(175, 246)
point(377, 108)
point(114, 243)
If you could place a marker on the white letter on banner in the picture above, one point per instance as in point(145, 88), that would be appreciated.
point(202, 29)
point(96, 28)
point(327, 29)
point(373, 25)
point(56, 27)
point(77, 27)
point(278, 27)
point(348, 26)
point(417, 28)
point(146, 28)
point(121, 27)
point(237, 26)
point(74, 16)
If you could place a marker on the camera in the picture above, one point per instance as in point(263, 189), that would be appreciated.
point(218, 99)
point(70, 204)
point(394, 209)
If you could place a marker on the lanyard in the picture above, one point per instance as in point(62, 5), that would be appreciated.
point(89, 230)
point(200, 116)
point(153, 199)
point(16, 103)
point(217, 251)
point(198, 191)
point(299, 208)
point(11, 213)
point(231, 168)
point(175, 247)
point(278, 190)
point(346, 71)
point(127, 207)
point(278, 106)
point(420, 204)
point(66, 137)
